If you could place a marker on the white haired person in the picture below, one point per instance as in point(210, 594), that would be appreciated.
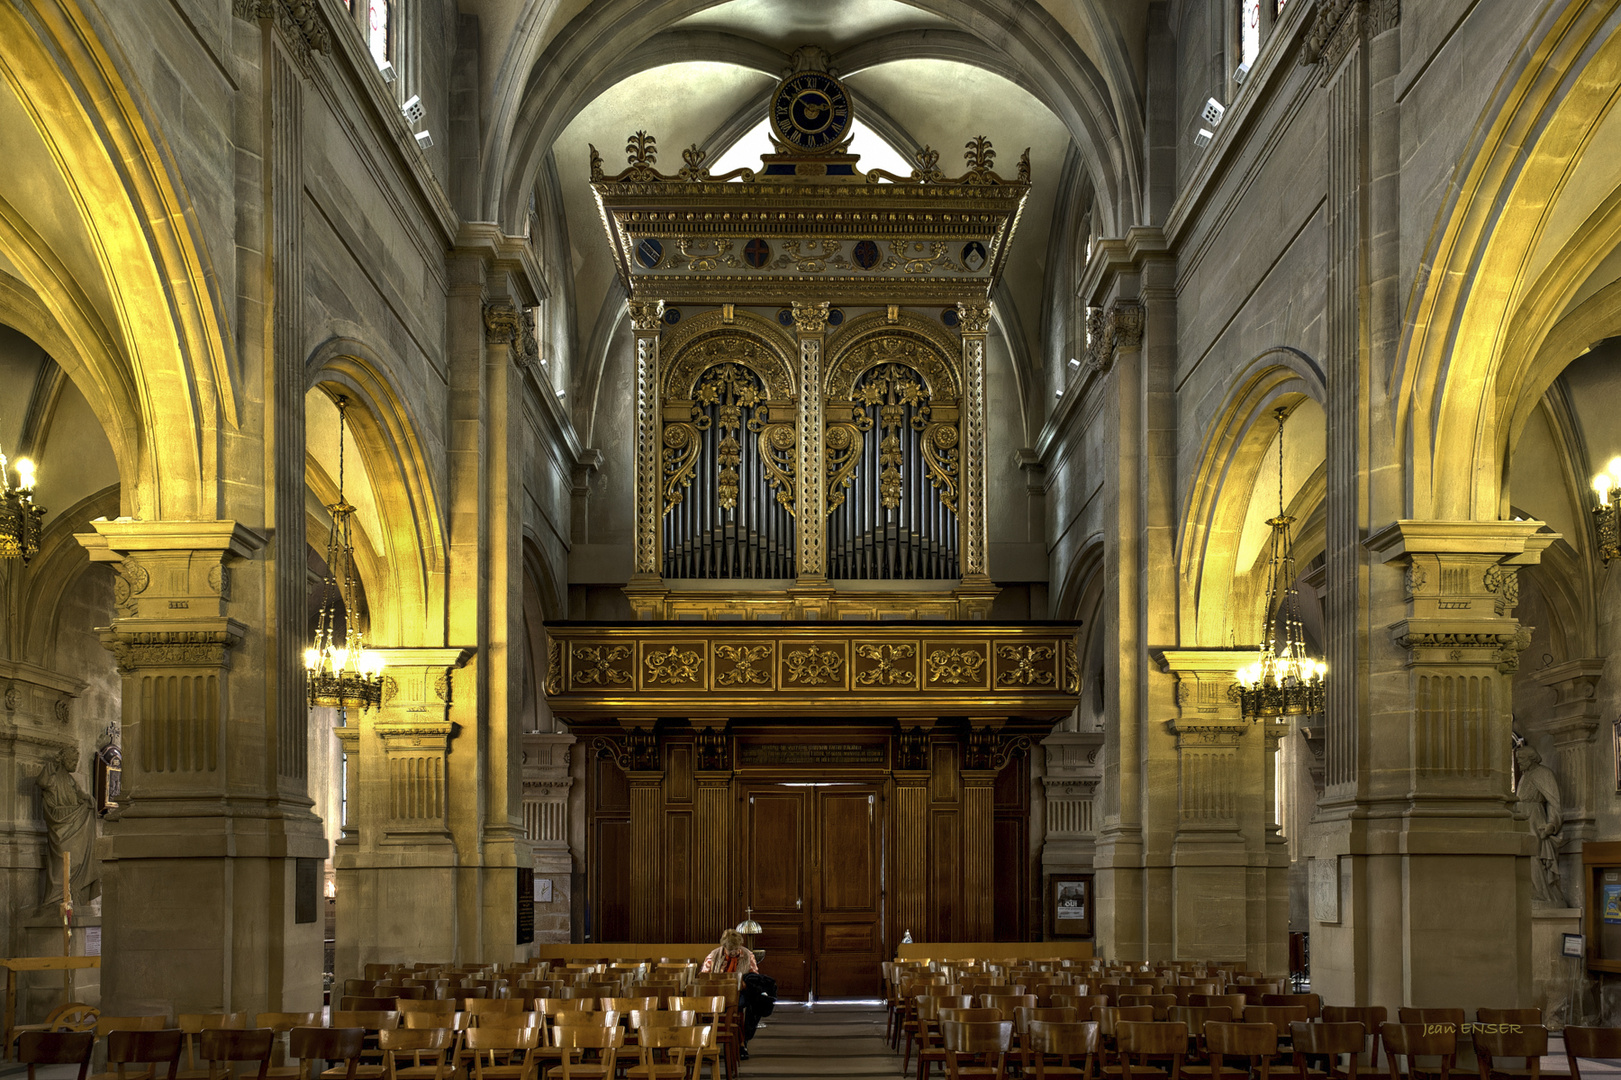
point(733, 957)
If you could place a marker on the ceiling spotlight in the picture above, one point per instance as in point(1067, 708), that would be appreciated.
point(414, 111)
point(1241, 74)
point(1212, 113)
point(1203, 138)
point(560, 395)
point(1074, 364)
point(386, 70)
point(1059, 394)
point(424, 139)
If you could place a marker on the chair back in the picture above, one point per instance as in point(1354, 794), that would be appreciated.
point(1160, 1003)
point(1197, 1016)
point(489, 1006)
point(642, 1020)
point(980, 1015)
point(1083, 1004)
point(1347, 1037)
point(1235, 1002)
point(1066, 1038)
point(1279, 1016)
point(1110, 1018)
point(1590, 1042)
point(106, 1025)
point(368, 1004)
point(148, 1046)
point(1146, 1038)
point(1414, 1040)
point(222, 1046)
point(193, 1023)
point(506, 1040)
point(505, 1019)
point(1051, 1014)
point(606, 1018)
point(279, 1022)
point(1371, 1017)
point(1008, 1002)
point(56, 1048)
point(315, 1046)
point(1312, 1002)
point(626, 1005)
point(415, 1040)
point(979, 1037)
point(1246, 1040)
point(400, 990)
point(1499, 1040)
point(434, 1006)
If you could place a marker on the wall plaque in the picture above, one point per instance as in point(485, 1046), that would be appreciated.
point(837, 755)
point(526, 905)
point(1324, 882)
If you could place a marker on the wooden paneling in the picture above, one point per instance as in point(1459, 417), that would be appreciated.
point(775, 835)
point(646, 856)
point(677, 876)
point(909, 840)
point(945, 784)
point(678, 773)
point(1013, 871)
point(610, 840)
point(945, 881)
point(711, 876)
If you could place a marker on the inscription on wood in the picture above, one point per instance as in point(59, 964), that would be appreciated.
point(847, 755)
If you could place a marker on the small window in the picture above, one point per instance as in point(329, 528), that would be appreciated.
point(379, 33)
point(1250, 30)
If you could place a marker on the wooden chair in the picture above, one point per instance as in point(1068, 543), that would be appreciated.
point(1108, 1019)
point(1162, 1004)
point(225, 1048)
point(151, 1047)
point(314, 1047)
point(988, 1040)
point(1007, 1003)
point(368, 1004)
point(1083, 1004)
point(1497, 1040)
point(106, 1026)
point(56, 1048)
point(1327, 1041)
point(1256, 1043)
point(935, 1051)
point(1022, 1019)
point(1371, 1017)
point(1064, 1040)
point(1143, 1041)
point(1235, 1002)
point(1312, 1002)
point(1590, 1042)
point(580, 1038)
point(484, 1044)
point(438, 1044)
point(192, 1025)
point(925, 1032)
point(1197, 1063)
point(1279, 1016)
point(430, 1007)
point(478, 1008)
point(1183, 992)
point(397, 990)
point(1437, 1039)
point(675, 1041)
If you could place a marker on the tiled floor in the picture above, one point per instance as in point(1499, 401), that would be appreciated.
point(843, 1040)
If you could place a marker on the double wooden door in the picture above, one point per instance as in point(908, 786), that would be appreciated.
point(814, 875)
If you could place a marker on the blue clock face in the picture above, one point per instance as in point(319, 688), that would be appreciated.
point(810, 111)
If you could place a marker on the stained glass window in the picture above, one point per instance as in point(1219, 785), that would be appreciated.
point(1250, 30)
point(377, 35)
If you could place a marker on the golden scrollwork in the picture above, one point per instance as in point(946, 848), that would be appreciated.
point(811, 261)
point(743, 658)
point(1025, 673)
point(727, 390)
point(886, 672)
point(940, 461)
point(691, 249)
point(777, 444)
point(1072, 669)
point(674, 666)
point(815, 666)
point(690, 360)
point(893, 345)
point(554, 668)
point(955, 667)
point(598, 668)
point(842, 448)
point(681, 446)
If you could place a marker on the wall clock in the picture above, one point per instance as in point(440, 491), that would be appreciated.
point(810, 111)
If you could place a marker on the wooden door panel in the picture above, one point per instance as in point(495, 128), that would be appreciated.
point(849, 911)
point(776, 840)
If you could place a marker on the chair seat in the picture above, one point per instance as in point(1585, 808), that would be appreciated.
point(584, 1071)
point(362, 1072)
point(132, 1073)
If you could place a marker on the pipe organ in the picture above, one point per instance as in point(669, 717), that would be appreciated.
point(810, 374)
point(810, 463)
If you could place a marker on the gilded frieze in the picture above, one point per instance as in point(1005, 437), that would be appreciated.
point(743, 666)
point(814, 665)
point(965, 666)
point(886, 666)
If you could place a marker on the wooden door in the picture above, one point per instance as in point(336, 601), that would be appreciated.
point(776, 840)
point(847, 924)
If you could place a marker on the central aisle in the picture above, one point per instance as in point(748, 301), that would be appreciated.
point(846, 1041)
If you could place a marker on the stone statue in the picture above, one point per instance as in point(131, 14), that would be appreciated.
point(1538, 793)
point(70, 822)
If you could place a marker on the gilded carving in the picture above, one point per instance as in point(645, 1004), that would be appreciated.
point(645, 315)
point(502, 323)
point(743, 672)
point(885, 344)
point(674, 666)
point(1072, 669)
point(811, 261)
point(391, 689)
point(219, 580)
point(954, 667)
point(886, 671)
point(690, 361)
point(699, 258)
point(912, 752)
point(441, 687)
point(554, 668)
point(973, 422)
point(600, 665)
point(299, 20)
point(134, 650)
point(815, 666)
point(1025, 671)
point(648, 487)
point(810, 318)
point(974, 317)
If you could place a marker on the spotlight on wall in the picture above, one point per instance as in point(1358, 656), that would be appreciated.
point(1241, 73)
point(424, 139)
point(386, 70)
point(1203, 138)
point(560, 395)
point(1213, 112)
point(1074, 365)
point(1059, 394)
point(414, 111)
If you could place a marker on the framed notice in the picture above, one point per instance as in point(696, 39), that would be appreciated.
point(526, 905)
point(1069, 899)
point(1600, 896)
point(1574, 945)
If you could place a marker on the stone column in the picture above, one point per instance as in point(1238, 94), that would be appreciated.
point(815, 595)
point(975, 591)
point(1070, 782)
point(546, 786)
point(1434, 818)
point(712, 830)
point(397, 878)
point(199, 873)
point(912, 772)
point(646, 585)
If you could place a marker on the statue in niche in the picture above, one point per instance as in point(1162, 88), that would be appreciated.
point(70, 823)
point(1538, 792)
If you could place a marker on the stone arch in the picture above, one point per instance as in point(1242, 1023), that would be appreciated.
point(61, 561)
point(160, 355)
point(411, 553)
point(543, 82)
point(1479, 312)
point(942, 378)
point(679, 355)
point(1224, 483)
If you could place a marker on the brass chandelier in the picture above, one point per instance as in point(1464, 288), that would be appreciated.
point(19, 517)
point(1607, 486)
point(348, 676)
point(1285, 681)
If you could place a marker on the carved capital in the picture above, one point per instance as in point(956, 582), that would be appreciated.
point(974, 318)
point(135, 650)
point(299, 20)
point(502, 323)
point(810, 318)
point(1121, 328)
point(645, 315)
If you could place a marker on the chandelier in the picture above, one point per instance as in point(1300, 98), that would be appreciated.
point(19, 517)
point(348, 676)
point(1607, 486)
point(1285, 681)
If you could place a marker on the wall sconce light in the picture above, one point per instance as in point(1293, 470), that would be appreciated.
point(1213, 112)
